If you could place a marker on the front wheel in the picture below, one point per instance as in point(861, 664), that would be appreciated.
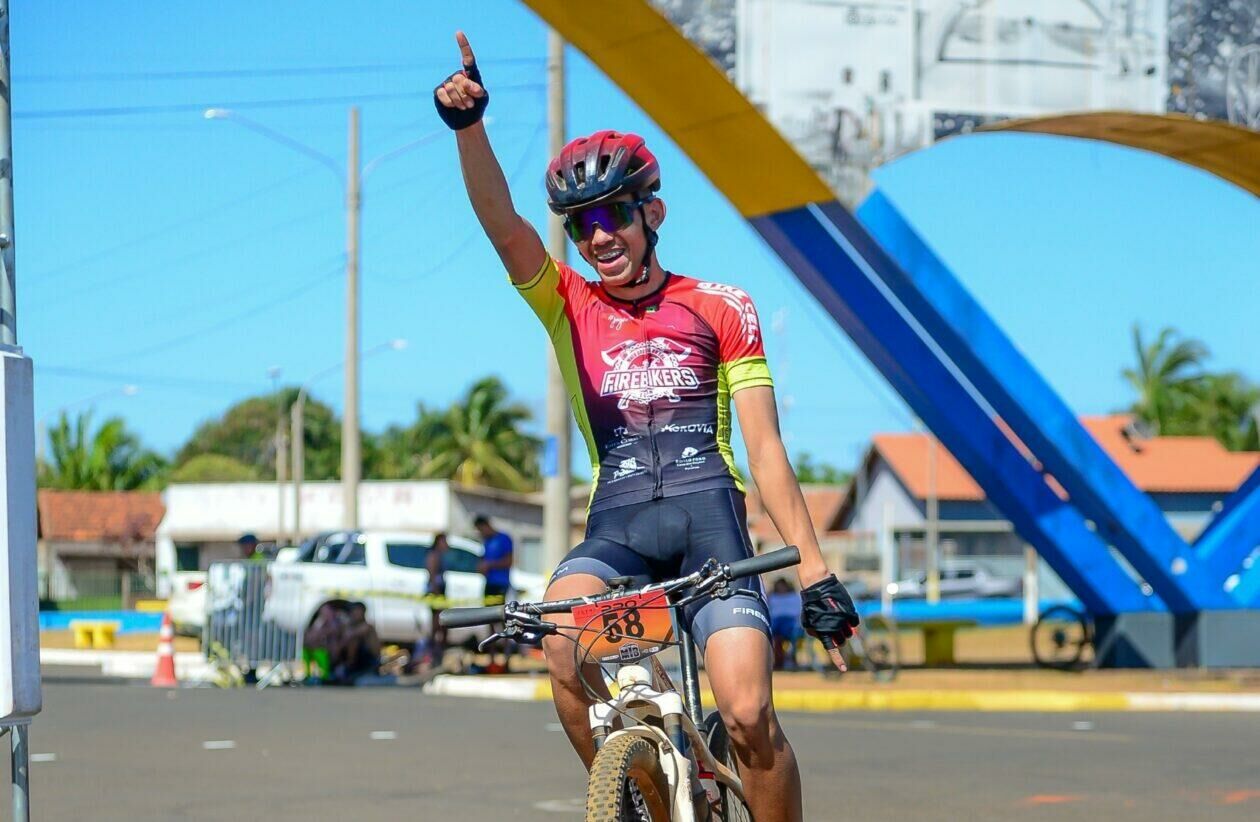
point(732, 807)
point(627, 783)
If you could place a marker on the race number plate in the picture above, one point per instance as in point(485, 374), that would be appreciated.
point(624, 629)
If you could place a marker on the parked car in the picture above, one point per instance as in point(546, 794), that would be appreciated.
point(960, 579)
point(187, 602)
point(386, 571)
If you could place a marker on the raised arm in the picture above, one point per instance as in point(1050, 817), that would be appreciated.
point(464, 98)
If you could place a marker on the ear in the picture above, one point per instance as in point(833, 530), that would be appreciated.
point(655, 213)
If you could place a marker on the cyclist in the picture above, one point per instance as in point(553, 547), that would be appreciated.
point(652, 360)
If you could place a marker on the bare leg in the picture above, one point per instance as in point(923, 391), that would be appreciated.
point(738, 662)
point(566, 689)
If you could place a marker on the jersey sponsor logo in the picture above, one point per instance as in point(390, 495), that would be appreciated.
point(690, 459)
point(752, 612)
point(622, 437)
point(615, 322)
point(692, 428)
point(741, 303)
point(628, 467)
point(641, 371)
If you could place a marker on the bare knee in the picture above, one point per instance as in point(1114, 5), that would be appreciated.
point(749, 721)
point(558, 649)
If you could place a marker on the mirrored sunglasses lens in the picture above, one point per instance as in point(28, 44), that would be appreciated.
point(612, 217)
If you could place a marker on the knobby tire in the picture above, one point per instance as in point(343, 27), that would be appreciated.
point(624, 761)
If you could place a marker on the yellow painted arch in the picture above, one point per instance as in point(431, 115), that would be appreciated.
point(692, 100)
point(1228, 151)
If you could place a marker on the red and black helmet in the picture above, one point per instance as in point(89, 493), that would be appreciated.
point(596, 168)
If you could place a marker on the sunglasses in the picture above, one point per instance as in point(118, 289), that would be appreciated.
point(611, 217)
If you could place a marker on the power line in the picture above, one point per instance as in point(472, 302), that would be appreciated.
point(167, 228)
point(226, 322)
point(221, 74)
point(281, 102)
point(145, 380)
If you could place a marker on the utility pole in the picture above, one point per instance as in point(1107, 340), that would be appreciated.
point(351, 462)
point(297, 424)
point(556, 483)
point(350, 177)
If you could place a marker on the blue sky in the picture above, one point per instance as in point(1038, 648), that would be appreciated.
point(188, 257)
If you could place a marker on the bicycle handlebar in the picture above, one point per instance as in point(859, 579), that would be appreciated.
point(468, 617)
point(764, 564)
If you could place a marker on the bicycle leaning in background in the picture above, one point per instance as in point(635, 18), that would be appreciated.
point(657, 756)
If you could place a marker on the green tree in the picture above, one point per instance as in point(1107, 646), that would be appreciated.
point(1177, 396)
point(478, 441)
point(1166, 376)
point(213, 468)
point(110, 458)
point(809, 472)
point(246, 433)
point(407, 452)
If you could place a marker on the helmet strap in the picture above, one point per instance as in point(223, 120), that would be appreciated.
point(650, 234)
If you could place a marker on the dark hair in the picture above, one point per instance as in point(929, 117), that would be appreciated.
point(441, 535)
point(481, 519)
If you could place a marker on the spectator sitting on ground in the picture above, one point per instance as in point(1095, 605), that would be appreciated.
point(321, 640)
point(360, 650)
point(785, 622)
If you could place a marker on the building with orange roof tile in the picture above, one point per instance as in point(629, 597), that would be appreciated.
point(97, 543)
point(1188, 477)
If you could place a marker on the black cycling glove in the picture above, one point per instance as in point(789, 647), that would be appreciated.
point(461, 118)
point(828, 612)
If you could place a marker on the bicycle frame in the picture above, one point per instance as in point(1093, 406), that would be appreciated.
point(684, 753)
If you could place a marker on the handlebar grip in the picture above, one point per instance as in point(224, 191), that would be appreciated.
point(466, 617)
point(764, 564)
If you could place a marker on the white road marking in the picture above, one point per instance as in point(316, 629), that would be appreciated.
point(562, 805)
point(383, 735)
point(219, 744)
point(1083, 725)
point(45, 757)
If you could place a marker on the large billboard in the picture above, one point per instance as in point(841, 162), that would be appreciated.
point(854, 83)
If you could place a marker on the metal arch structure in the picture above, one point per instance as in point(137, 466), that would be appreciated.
point(881, 285)
point(842, 266)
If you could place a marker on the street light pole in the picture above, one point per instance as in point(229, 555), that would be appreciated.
point(351, 461)
point(350, 177)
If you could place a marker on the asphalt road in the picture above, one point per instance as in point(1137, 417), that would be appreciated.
point(108, 751)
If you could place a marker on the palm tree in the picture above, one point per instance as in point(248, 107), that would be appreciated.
point(1167, 375)
point(111, 459)
point(406, 452)
point(479, 442)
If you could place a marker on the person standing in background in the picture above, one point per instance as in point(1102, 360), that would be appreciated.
point(436, 564)
point(496, 567)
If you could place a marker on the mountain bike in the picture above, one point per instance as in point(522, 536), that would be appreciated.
point(666, 761)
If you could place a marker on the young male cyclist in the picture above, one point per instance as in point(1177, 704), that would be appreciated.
point(652, 361)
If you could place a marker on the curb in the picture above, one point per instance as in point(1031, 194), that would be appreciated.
point(812, 701)
point(125, 664)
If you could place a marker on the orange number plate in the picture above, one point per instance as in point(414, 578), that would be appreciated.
point(626, 628)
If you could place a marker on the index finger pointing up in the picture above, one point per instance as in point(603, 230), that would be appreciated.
point(465, 50)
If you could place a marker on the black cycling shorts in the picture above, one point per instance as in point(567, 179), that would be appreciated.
point(671, 537)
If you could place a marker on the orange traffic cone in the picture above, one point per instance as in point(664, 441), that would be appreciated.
point(164, 673)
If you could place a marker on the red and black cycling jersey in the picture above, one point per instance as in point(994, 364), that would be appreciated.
point(650, 381)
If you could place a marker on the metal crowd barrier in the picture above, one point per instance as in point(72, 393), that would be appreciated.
point(235, 625)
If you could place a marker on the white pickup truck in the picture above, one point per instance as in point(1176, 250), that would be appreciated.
point(386, 571)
